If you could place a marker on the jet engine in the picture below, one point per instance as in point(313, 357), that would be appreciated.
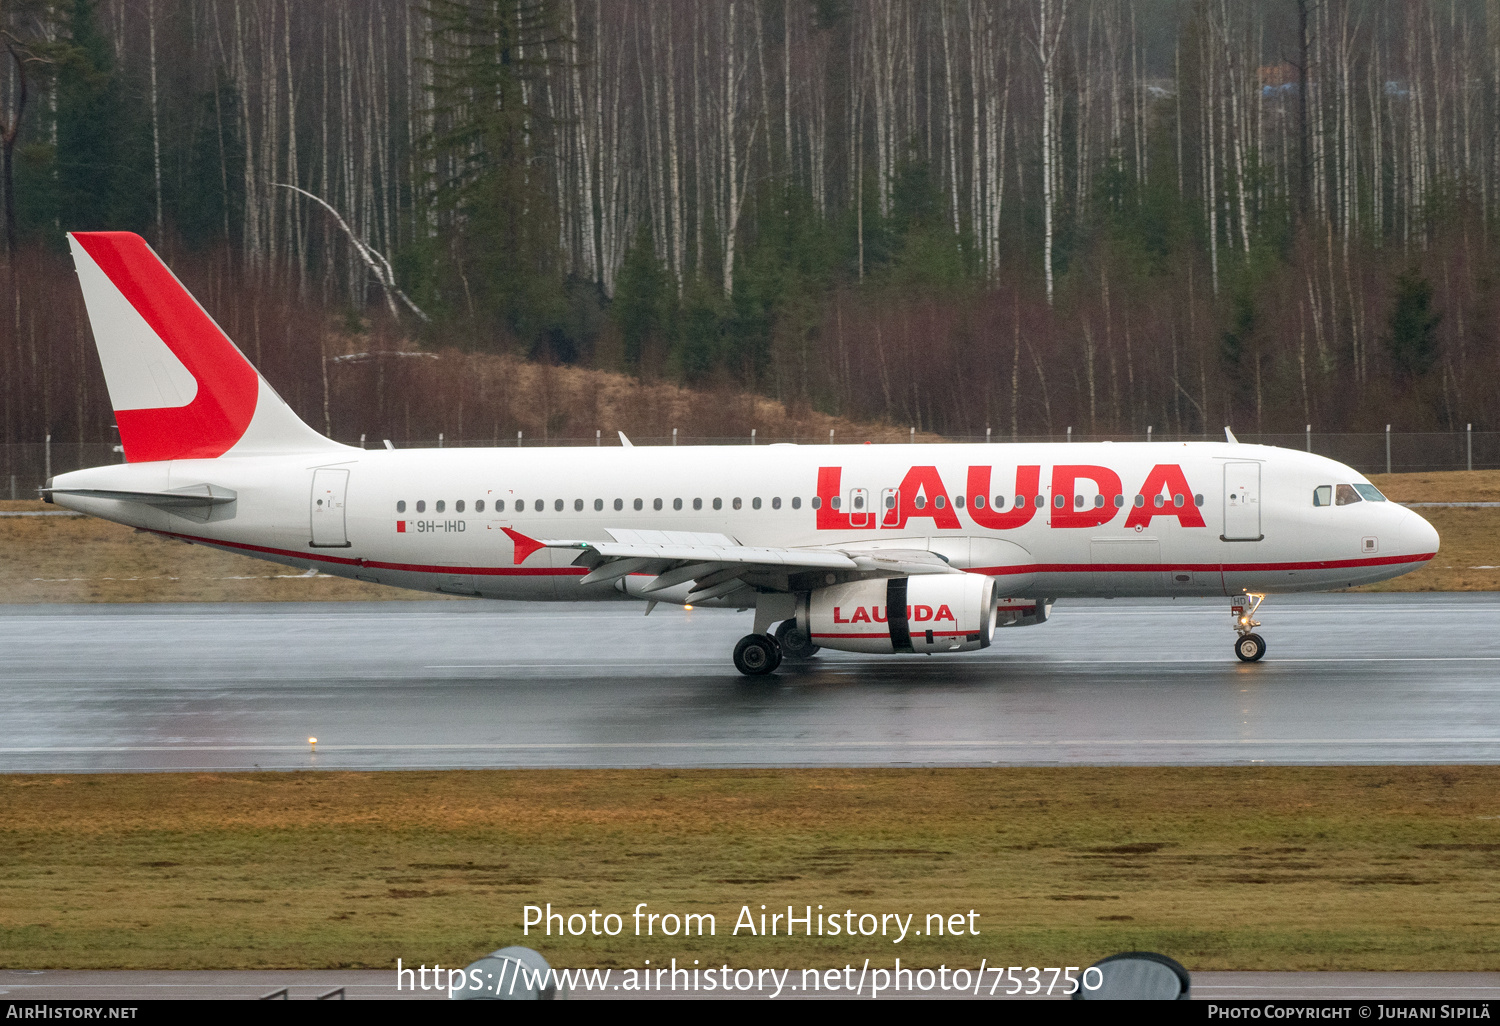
point(937, 613)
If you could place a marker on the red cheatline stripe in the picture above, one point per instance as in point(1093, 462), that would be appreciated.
point(420, 568)
point(993, 571)
point(1079, 568)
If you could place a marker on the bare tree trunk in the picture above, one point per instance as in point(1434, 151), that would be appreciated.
point(1052, 14)
point(155, 121)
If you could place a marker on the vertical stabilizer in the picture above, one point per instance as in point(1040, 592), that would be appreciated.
point(180, 388)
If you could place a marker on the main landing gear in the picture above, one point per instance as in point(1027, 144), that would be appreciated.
point(757, 655)
point(1249, 646)
point(795, 641)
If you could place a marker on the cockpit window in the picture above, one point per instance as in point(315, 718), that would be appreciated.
point(1323, 495)
point(1346, 495)
point(1370, 492)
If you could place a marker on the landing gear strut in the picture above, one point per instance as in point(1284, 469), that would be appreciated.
point(1249, 646)
point(795, 641)
point(756, 655)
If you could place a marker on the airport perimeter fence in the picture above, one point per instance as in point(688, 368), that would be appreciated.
point(25, 466)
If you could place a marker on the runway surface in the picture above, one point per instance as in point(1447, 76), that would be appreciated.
point(1348, 679)
point(356, 984)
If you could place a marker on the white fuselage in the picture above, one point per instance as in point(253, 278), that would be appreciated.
point(1260, 529)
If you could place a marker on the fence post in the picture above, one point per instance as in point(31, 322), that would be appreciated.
point(752, 436)
point(440, 439)
point(1070, 432)
point(361, 439)
point(48, 458)
point(987, 436)
point(1469, 434)
point(598, 436)
point(1387, 448)
point(518, 439)
point(1309, 438)
point(830, 436)
point(1148, 432)
point(12, 488)
point(912, 436)
point(674, 436)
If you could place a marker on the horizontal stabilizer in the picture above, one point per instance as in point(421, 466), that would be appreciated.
point(196, 502)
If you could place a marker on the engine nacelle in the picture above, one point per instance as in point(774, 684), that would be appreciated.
point(937, 613)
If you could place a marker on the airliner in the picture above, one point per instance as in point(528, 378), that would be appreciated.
point(862, 548)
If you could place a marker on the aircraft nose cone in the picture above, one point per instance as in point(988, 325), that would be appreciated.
point(1417, 535)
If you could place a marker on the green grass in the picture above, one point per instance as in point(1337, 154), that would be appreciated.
point(1228, 868)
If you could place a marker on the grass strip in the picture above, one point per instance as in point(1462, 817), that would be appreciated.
point(1285, 868)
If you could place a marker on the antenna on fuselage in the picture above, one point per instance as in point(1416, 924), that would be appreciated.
point(627, 443)
point(1229, 436)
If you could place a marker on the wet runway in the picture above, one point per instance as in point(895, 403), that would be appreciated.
point(1348, 679)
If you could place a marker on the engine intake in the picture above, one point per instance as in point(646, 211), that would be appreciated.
point(938, 613)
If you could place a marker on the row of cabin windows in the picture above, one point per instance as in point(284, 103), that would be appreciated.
point(836, 502)
point(558, 505)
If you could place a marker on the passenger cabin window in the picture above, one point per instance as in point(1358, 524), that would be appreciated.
point(999, 502)
point(620, 504)
point(441, 505)
point(676, 504)
point(835, 502)
point(479, 506)
point(557, 504)
point(737, 503)
point(817, 502)
point(940, 502)
point(718, 504)
point(978, 502)
point(697, 503)
point(539, 505)
point(458, 507)
point(421, 505)
point(755, 502)
point(776, 502)
point(638, 505)
point(920, 502)
point(796, 502)
point(401, 506)
point(499, 505)
point(1345, 495)
point(1119, 501)
point(598, 505)
point(577, 505)
point(1370, 492)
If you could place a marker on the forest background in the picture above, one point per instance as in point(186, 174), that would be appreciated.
point(951, 215)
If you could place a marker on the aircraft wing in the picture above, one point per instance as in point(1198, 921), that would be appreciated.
point(718, 564)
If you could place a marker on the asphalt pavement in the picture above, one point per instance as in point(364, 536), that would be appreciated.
point(1412, 678)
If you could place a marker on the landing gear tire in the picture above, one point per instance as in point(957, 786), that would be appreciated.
point(1250, 647)
point(794, 641)
point(757, 655)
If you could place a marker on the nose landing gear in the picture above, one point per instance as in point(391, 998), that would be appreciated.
point(1249, 646)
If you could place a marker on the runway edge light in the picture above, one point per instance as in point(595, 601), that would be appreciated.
point(509, 974)
point(1134, 976)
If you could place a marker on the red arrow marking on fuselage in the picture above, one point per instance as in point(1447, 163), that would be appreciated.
point(524, 546)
